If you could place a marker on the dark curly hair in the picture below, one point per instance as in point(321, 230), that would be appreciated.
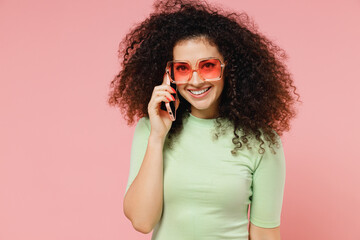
point(258, 94)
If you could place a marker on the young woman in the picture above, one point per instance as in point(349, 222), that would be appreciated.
point(195, 177)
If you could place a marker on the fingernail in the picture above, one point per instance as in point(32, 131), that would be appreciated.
point(173, 97)
point(174, 91)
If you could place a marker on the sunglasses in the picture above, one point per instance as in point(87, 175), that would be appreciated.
point(181, 71)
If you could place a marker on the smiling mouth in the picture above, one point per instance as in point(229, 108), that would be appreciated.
point(200, 91)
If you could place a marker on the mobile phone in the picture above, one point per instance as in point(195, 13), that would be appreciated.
point(170, 106)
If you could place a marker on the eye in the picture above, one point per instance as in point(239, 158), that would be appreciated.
point(208, 65)
point(181, 68)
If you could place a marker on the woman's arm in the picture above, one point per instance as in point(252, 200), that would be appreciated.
point(143, 201)
point(259, 233)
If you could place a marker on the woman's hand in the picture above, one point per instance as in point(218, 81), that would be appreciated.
point(159, 119)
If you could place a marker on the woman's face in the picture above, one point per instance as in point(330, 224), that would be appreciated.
point(203, 105)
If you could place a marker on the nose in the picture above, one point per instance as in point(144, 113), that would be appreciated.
point(195, 79)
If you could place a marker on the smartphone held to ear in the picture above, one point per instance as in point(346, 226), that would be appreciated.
point(170, 106)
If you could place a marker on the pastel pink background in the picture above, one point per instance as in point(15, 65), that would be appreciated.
point(64, 153)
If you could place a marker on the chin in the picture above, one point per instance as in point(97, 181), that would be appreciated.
point(200, 106)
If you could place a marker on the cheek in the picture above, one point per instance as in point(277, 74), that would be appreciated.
point(181, 91)
point(220, 86)
point(181, 87)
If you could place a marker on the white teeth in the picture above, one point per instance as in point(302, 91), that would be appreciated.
point(199, 92)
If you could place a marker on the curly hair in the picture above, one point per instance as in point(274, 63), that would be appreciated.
point(258, 94)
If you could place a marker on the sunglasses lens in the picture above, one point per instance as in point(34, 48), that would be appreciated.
point(179, 71)
point(210, 69)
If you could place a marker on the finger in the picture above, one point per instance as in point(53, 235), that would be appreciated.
point(154, 106)
point(166, 94)
point(166, 79)
point(157, 100)
point(167, 88)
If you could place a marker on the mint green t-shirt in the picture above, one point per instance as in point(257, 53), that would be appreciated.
point(207, 190)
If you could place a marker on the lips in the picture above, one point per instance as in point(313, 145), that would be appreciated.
point(202, 94)
point(199, 89)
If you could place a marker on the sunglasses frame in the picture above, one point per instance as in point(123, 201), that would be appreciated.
point(222, 65)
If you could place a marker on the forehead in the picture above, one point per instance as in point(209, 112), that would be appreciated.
point(194, 49)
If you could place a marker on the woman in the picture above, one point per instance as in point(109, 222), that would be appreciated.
point(195, 177)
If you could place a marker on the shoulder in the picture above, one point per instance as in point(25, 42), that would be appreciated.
point(143, 124)
point(142, 128)
point(268, 151)
point(267, 146)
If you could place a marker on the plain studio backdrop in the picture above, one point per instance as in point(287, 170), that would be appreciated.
point(64, 153)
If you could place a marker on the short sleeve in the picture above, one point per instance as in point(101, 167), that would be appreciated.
point(138, 148)
point(268, 187)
